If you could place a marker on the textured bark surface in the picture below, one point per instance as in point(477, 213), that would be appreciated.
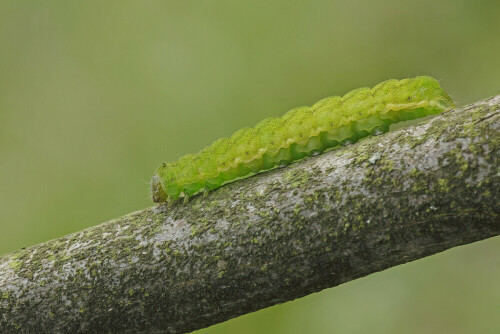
point(269, 238)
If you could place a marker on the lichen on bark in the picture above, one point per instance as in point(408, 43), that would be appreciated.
point(267, 239)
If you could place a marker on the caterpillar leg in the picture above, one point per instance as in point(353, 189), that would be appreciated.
point(378, 130)
point(348, 141)
point(283, 163)
point(168, 202)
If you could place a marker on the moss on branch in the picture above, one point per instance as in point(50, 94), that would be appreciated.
point(274, 237)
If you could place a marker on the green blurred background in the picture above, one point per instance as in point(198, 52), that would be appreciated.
point(95, 94)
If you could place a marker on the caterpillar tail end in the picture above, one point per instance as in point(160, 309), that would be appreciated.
point(158, 195)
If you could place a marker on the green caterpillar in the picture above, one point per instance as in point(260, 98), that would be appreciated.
point(303, 131)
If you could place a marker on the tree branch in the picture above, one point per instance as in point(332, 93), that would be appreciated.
point(269, 238)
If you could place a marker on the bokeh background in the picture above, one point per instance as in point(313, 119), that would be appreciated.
point(95, 94)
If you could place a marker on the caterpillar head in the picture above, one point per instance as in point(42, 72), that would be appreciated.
point(165, 183)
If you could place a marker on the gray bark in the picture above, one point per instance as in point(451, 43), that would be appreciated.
point(267, 239)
